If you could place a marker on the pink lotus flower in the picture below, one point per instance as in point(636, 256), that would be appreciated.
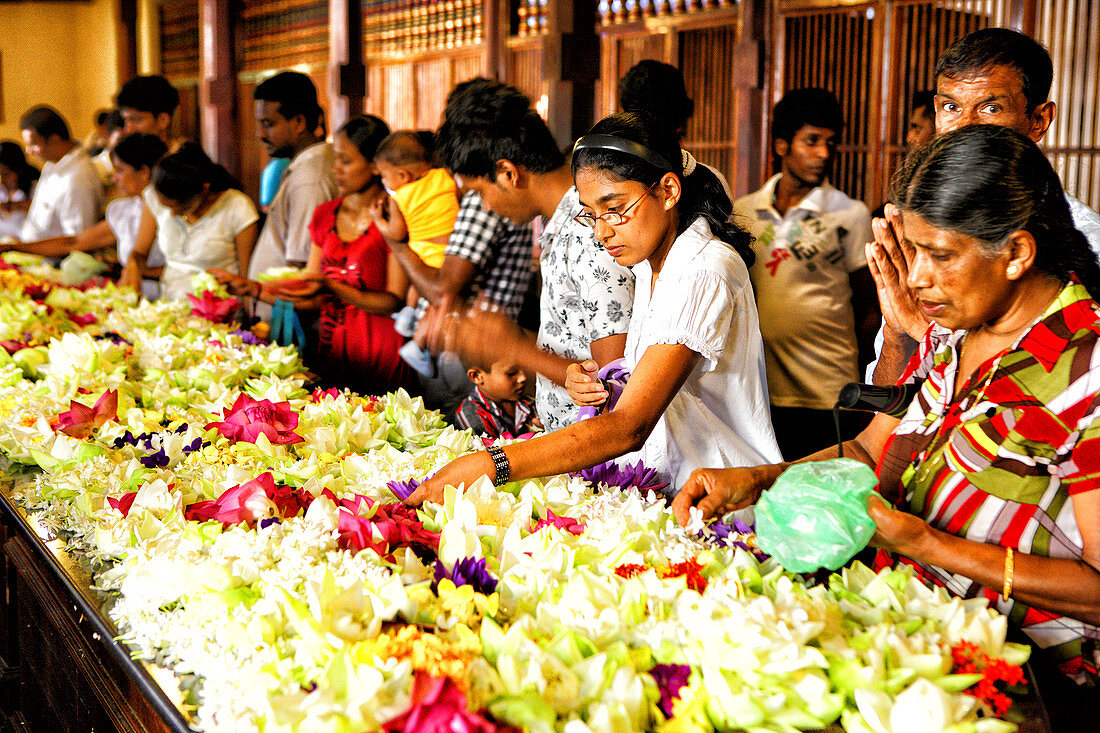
point(247, 502)
point(320, 394)
point(80, 420)
point(247, 419)
point(13, 346)
point(567, 524)
point(85, 319)
point(123, 504)
point(218, 310)
point(437, 705)
point(389, 527)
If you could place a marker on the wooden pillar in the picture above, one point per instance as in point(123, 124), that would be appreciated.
point(347, 76)
point(218, 84)
point(126, 29)
point(494, 32)
point(750, 162)
point(571, 61)
point(147, 23)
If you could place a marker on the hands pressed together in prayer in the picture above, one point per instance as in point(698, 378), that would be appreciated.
point(886, 259)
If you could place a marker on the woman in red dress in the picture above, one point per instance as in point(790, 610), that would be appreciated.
point(351, 278)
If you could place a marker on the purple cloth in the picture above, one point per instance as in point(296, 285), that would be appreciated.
point(614, 376)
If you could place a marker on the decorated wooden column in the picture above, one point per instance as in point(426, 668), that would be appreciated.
point(218, 89)
point(569, 53)
point(347, 76)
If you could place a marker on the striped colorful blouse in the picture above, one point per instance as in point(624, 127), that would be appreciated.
point(1001, 461)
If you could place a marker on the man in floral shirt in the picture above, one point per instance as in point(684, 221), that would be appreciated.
point(498, 146)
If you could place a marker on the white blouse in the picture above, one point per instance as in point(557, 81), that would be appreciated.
point(124, 217)
point(703, 299)
point(208, 243)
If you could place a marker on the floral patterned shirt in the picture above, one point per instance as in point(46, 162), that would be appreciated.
point(586, 296)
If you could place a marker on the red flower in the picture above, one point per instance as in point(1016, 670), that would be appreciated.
point(82, 320)
point(218, 310)
point(123, 504)
point(289, 501)
point(564, 523)
point(967, 658)
point(437, 705)
point(387, 528)
point(80, 420)
point(629, 570)
point(247, 419)
point(247, 502)
point(690, 569)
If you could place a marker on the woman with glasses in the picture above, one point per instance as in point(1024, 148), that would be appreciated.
point(697, 392)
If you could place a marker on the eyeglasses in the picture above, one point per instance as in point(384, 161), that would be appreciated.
point(611, 218)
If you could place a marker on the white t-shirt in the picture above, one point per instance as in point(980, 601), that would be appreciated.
point(67, 200)
point(193, 248)
point(803, 260)
point(124, 218)
point(703, 299)
point(586, 296)
point(11, 224)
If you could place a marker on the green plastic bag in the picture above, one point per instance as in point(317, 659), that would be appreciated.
point(815, 515)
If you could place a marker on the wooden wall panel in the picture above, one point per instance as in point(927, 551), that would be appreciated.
point(469, 66)
point(1071, 31)
point(434, 79)
point(525, 70)
point(707, 58)
point(276, 34)
point(399, 95)
point(179, 40)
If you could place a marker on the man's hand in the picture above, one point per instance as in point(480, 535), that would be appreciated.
point(235, 284)
point(585, 387)
point(888, 266)
point(716, 491)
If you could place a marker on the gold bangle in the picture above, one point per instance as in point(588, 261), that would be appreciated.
point(1006, 591)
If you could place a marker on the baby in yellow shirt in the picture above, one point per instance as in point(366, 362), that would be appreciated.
point(425, 196)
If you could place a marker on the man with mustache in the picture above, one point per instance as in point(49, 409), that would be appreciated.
point(290, 124)
point(815, 296)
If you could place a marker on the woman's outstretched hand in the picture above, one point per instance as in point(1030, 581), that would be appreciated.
point(462, 470)
point(584, 385)
point(716, 491)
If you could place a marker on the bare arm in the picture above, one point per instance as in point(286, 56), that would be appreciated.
point(1063, 586)
point(146, 235)
point(659, 375)
point(382, 302)
point(98, 236)
point(245, 242)
point(717, 491)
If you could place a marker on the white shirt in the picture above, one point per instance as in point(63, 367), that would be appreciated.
point(67, 200)
point(703, 299)
point(803, 260)
point(208, 243)
point(11, 224)
point(586, 296)
point(307, 183)
point(124, 218)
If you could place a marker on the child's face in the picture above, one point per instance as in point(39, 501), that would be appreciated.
point(393, 177)
point(503, 383)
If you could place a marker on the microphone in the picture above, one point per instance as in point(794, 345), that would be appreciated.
point(892, 400)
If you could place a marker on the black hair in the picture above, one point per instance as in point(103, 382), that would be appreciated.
point(809, 106)
point(365, 132)
point(982, 50)
point(926, 101)
point(114, 121)
point(140, 150)
point(101, 117)
point(46, 121)
point(406, 147)
point(295, 94)
point(701, 194)
point(486, 121)
point(12, 157)
point(181, 176)
point(658, 89)
point(153, 94)
point(987, 181)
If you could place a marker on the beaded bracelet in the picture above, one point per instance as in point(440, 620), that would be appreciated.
point(500, 462)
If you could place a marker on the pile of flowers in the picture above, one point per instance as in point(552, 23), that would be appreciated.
point(255, 541)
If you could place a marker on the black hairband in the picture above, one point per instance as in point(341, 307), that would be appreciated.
point(622, 145)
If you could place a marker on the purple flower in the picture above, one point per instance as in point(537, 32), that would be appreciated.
point(467, 571)
point(632, 475)
point(726, 535)
point(670, 678)
point(112, 337)
point(126, 438)
point(404, 489)
point(269, 521)
point(248, 337)
point(155, 460)
point(193, 446)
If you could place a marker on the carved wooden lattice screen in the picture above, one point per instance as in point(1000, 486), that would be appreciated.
point(1070, 29)
point(276, 34)
point(833, 49)
point(707, 60)
point(179, 40)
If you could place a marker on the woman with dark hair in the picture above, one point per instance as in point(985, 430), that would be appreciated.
point(200, 219)
point(351, 277)
point(696, 394)
point(993, 472)
point(133, 159)
point(17, 179)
